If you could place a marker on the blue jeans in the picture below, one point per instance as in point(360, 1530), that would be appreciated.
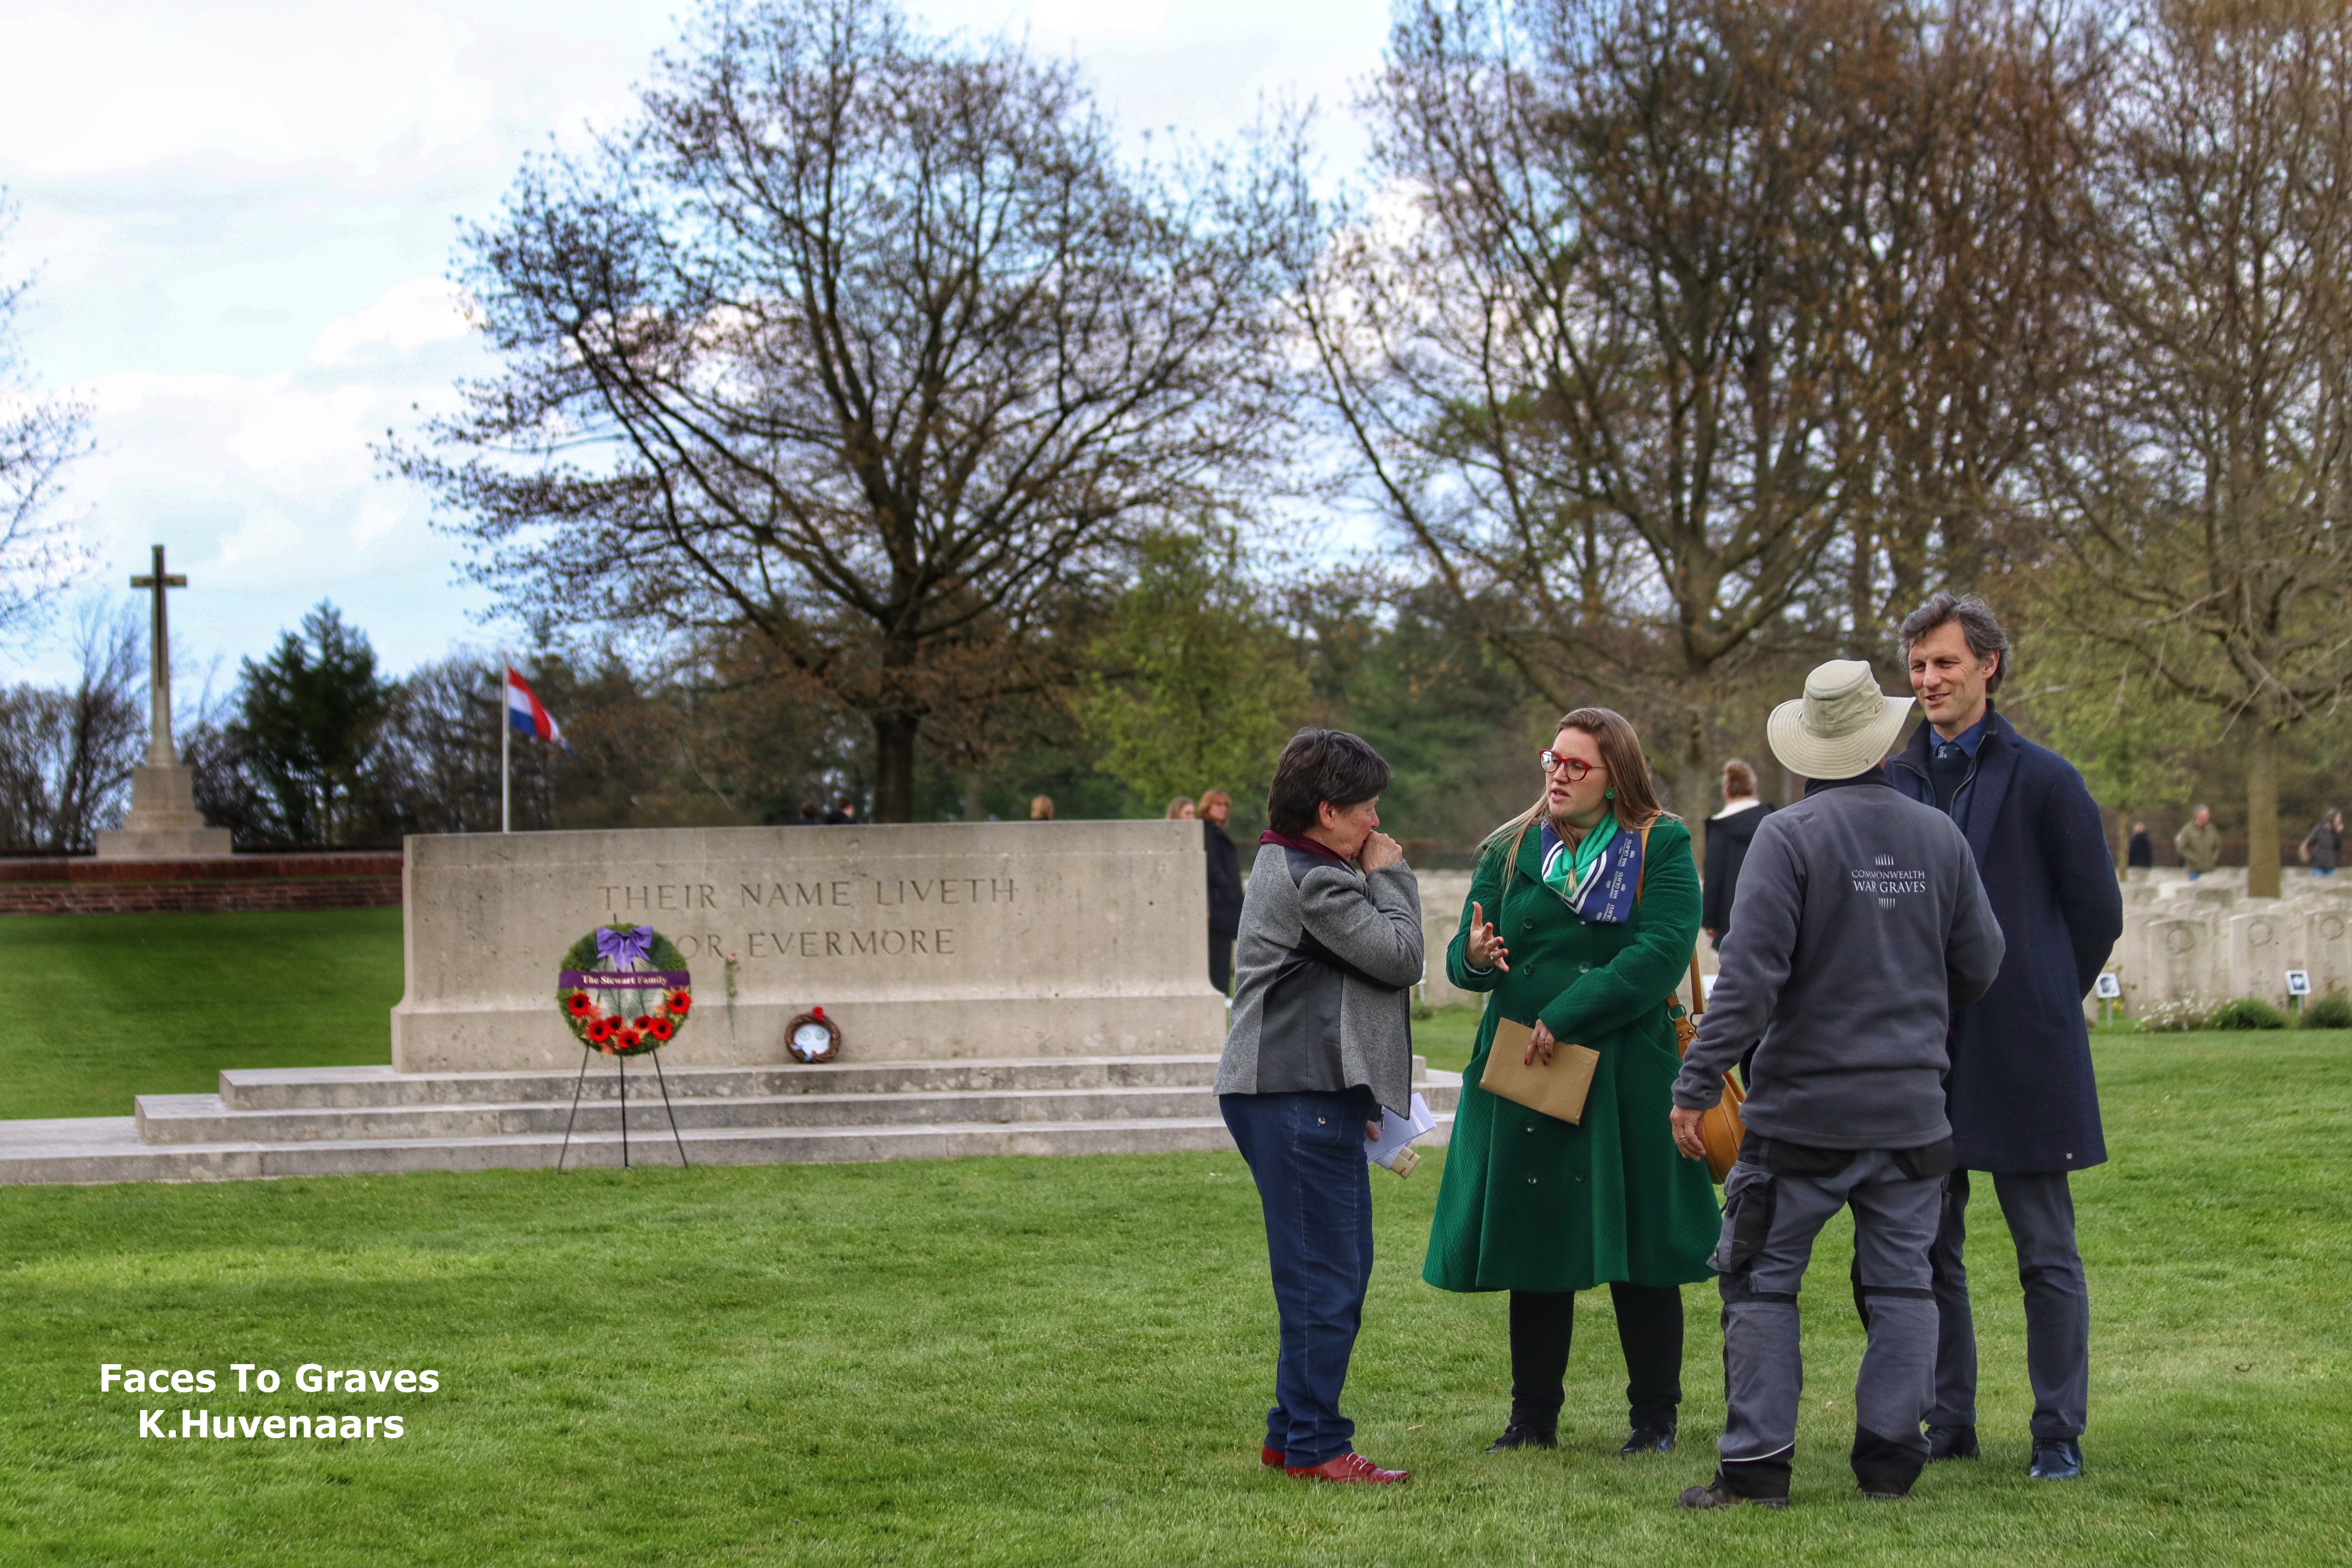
point(1306, 1153)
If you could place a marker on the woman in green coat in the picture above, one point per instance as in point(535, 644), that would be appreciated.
point(1590, 929)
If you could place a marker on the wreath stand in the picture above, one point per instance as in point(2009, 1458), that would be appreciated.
point(620, 1060)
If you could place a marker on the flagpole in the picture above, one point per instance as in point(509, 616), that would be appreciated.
point(506, 751)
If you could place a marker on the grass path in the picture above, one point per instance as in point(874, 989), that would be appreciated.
point(1065, 1361)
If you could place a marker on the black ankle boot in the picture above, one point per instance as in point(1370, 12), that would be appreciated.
point(1528, 1432)
point(1653, 1434)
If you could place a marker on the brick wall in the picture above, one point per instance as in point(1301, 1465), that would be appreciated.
point(83, 885)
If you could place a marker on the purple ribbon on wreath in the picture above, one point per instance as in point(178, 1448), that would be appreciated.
point(623, 947)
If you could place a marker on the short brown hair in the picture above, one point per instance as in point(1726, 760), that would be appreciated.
point(1976, 622)
point(1210, 797)
point(1319, 765)
point(1738, 778)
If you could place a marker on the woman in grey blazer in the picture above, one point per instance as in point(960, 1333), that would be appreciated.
point(1321, 1038)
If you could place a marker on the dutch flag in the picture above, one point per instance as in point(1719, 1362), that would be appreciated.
point(527, 716)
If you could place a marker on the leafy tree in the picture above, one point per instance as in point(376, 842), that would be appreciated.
point(307, 717)
point(1196, 687)
point(2124, 728)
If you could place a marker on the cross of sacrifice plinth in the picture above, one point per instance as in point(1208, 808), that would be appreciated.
point(160, 753)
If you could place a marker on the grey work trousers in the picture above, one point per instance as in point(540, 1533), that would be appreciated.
point(2040, 1208)
point(1769, 1225)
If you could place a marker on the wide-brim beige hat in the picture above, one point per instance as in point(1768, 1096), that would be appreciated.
point(1842, 726)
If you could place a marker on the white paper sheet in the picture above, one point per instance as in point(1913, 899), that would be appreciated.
point(1397, 1133)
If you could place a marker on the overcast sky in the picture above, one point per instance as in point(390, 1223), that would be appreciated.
point(242, 217)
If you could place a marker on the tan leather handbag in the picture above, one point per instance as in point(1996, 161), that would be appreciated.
point(1719, 1128)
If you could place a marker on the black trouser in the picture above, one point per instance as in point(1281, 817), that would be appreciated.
point(1221, 961)
point(1649, 1328)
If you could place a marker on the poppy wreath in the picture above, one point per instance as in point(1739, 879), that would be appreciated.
point(623, 990)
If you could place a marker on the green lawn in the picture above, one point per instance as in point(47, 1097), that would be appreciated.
point(1065, 1361)
point(134, 1005)
point(1022, 1361)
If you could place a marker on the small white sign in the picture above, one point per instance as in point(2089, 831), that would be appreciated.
point(2108, 987)
point(2298, 983)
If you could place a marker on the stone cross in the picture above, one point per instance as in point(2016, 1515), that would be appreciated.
point(160, 753)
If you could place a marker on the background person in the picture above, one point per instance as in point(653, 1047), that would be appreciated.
point(1555, 935)
point(844, 811)
point(1041, 808)
point(2025, 1106)
point(1321, 1038)
point(1224, 887)
point(1181, 809)
point(1728, 833)
point(2322, 847)
point(2199, 843)
point(1861, 923)
point(2140, 855)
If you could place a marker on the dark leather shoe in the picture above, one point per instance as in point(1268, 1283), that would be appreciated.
point(1349, 1470)
point(1951, 1443)
point(1270, 1459)
point(1713, 1495)
point(2056, 1459)
point(1527, 1435)
point(1649, 1440)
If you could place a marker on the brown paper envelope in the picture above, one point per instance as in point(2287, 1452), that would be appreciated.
point(1557, 1090)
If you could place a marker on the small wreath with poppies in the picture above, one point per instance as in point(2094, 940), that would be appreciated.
point(624, 990)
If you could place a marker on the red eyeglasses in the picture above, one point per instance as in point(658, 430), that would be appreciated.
point(1576, 768)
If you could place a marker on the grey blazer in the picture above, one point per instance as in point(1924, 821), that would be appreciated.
point(1325, 966)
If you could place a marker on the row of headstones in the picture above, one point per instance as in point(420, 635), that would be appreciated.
point(2204, 939)
point(2207, 940)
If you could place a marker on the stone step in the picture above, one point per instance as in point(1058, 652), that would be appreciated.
point(300, 1089)
point(107, 1149)
point(188, 1118)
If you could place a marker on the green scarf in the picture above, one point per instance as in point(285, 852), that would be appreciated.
point(1566, 871)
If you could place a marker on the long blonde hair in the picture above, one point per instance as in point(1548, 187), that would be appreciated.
point(1620, 745)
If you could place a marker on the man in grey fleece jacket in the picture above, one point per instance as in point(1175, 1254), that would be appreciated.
point(1859, 925)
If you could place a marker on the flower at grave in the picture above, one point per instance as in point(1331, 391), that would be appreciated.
point(586, 988)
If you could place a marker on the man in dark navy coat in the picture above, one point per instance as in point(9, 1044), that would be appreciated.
point(2023, 1103)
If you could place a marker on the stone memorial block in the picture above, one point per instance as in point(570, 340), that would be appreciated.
point(1443, 894)
point(923, 941)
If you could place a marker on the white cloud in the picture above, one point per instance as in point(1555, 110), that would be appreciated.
point(244, 212)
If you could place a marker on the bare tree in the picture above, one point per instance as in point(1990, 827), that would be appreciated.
point(862, 340)
point(2204, 494)
point(1973, 327)
point(40, 435)
point(1601, 370)
point(66, 753)
point(1683, 323)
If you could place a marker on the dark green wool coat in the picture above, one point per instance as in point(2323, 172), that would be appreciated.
point(1532, 1204)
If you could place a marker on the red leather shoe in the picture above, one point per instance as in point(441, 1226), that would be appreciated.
point(1351, 1470)
point(1271, 1458)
